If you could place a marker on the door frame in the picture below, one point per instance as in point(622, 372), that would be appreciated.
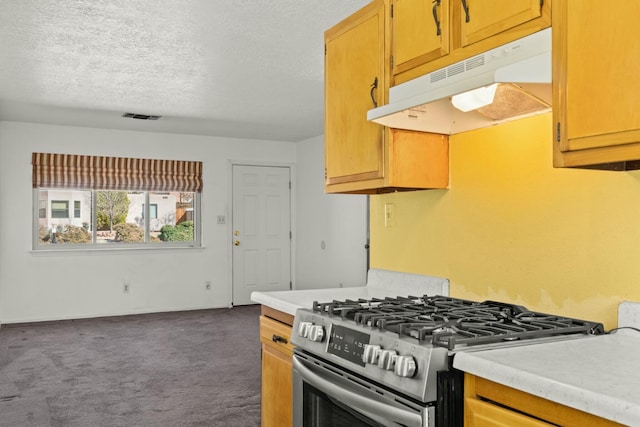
point(229, 229)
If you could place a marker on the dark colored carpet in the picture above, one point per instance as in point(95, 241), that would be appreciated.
point(193, 368)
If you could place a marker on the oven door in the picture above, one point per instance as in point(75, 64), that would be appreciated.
point(325, 395)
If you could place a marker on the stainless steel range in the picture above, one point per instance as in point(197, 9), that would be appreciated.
point(387, 362)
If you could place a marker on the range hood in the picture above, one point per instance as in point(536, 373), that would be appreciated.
point(521, 70)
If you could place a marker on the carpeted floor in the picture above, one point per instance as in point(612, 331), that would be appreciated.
point(193, 368)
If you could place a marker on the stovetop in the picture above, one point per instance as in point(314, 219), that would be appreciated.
point(452, 322)
point(403, 342)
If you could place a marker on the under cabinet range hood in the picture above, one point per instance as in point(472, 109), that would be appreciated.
point(502, 84)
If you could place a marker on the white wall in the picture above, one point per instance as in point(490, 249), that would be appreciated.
point(338, 220)
point(38, 286)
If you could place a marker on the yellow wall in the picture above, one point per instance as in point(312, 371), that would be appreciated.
point(513, 228)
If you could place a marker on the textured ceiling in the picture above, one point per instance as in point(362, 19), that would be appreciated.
point(240, 68)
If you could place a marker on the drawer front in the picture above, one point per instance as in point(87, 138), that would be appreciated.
point(484, 414)
point(276, 334)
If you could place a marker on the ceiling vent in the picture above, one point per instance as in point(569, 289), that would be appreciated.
point(140, 116)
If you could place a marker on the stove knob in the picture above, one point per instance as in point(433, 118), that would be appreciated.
point(316, 333)
point(303, 329)
point(387, 359)
point(405, 366)
point(371, 353)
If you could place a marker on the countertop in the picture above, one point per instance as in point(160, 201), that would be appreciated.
point(380, 284)
point(290, 301)
point(596, 374)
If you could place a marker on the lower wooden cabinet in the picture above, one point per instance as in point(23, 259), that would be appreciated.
point(277, 372)
point(489, 404)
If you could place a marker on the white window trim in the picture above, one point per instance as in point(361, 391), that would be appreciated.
point(93, 246)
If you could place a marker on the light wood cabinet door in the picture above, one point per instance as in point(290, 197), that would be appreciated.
point(596, 86)
point(277, 373)
point(277, 395)
point(480, 19)
point(484, 414)
point(420, 32)
point(354, 80)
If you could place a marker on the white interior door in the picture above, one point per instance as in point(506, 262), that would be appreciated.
point(261, 216)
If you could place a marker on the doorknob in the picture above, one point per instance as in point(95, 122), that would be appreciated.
point(236, 242)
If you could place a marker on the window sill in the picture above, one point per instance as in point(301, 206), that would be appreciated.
point(119, 250)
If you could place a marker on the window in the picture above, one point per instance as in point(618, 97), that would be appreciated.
point(117, 202)
point(153, 211)
point(42, 208)
point(59, 209)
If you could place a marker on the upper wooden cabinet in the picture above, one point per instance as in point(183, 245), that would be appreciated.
point(360, 156)
point(596, 59)
point(467, 28)
point(420, 32)
point(354, 82)
point(481, 19)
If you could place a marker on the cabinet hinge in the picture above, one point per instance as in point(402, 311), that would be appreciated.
point(558, 132)
point(290, 285)
point(391, 10)
point(325, 173)
point(325, 49)
point(290, 235)
point(289, 185)
point(391, 61)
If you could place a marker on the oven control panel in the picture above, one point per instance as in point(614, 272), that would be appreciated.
point(384, 357)
point(348, 344)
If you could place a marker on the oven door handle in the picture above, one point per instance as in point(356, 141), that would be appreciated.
point(356, 401)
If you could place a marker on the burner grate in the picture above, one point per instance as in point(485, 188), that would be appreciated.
point(451, 322)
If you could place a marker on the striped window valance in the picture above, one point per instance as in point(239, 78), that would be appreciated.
point(115, 173)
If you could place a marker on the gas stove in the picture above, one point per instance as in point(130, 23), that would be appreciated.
point(402, 343)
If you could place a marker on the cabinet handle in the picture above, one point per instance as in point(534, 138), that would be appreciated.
point(436, 4)
point(374, 86)
point(278, 338)
point(466, 11)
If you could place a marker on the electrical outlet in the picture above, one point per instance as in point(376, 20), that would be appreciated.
point(389, 215)
point(207, 285)
point(125, 287)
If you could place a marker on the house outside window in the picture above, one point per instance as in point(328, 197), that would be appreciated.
point(76, 209)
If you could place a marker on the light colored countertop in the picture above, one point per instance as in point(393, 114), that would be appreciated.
point(290, 301)
point(380, 284)
point(596, 374)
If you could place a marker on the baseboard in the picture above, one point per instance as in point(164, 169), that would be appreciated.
point(96, 316)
